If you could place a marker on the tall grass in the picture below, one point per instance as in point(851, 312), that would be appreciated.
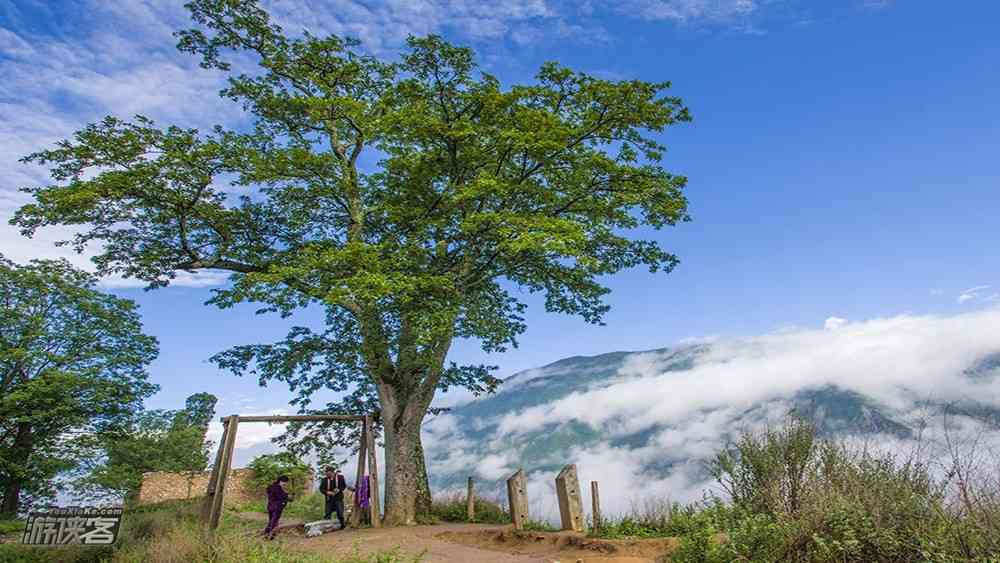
point(793, 497)
point(453, 508)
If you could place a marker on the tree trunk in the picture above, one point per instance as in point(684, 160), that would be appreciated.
point(407, 493)
point(21, 453)
point(423, 482)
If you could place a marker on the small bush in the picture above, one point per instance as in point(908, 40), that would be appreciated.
point(267, 468)
point(11, 527)
point(453, 508)
point(539, 526)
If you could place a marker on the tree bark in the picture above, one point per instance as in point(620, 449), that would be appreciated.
point(407, 493)
point(12, 490)
point(423, 505)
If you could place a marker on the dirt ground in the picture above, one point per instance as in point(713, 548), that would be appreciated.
point(458, 543)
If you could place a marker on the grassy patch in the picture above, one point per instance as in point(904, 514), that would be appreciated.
point(308, 507)
point(11, 527)
point(453, 508)
point(539, 526)
point(172, 533)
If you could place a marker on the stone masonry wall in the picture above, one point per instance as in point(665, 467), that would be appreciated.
point(159, 486)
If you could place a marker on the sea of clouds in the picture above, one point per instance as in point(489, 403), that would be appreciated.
point(902, 363)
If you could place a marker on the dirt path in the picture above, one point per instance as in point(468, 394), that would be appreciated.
point(459, 543)
point(411, 541)
point(283, 524)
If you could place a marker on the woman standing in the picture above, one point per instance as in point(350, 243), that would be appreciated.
point(277, 498)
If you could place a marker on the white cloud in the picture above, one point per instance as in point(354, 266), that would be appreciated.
point(495, 466)
point(833, 323)
point(975, 294)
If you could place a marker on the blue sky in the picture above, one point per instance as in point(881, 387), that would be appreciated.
point(843, 158)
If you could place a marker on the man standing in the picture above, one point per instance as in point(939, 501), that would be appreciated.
point(332, 486)
point(277, 498)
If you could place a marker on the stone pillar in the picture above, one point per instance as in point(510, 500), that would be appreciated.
point(517, 494)
point(570, 503)
point(595, 498)
point(470, 502)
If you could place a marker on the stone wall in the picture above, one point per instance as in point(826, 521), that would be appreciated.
point(159, 486)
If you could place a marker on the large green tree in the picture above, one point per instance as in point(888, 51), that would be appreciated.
point(154, 440)
point(413, 199)
point(72, 366)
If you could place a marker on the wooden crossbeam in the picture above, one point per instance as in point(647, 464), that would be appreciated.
point(303, 418)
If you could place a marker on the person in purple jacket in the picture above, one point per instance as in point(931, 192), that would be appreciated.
point(277, 498)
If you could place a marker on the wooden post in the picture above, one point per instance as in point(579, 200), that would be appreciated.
point(470, 502)
point(206, 503)
point(359, 475)
point(595, 499)
point(517, 495)
point(224, 465)
point(570, 503)
point(373, 474)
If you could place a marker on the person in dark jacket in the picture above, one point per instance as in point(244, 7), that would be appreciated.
point(277, 498)
point(332, 486)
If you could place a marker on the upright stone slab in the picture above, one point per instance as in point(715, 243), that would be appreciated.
point(517, 494)
point(470, 502)
point(570, 502)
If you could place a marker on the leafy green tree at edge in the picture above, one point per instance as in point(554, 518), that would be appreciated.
point(156, 440)
point(72, 366)
point(412, 199)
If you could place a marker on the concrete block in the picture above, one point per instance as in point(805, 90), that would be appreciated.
point(570, 501)
point(517, 494)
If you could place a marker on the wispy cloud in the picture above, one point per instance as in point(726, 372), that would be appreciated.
point(690, 10)
point(876, 4)
point(977, 293)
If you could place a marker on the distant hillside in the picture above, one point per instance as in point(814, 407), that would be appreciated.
point(653, 417)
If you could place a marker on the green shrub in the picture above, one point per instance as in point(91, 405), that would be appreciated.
point(539, 526)
point(11, 527)
point(267, 468)
point(454, 508)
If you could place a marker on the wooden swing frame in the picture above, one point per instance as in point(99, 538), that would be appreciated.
point(211, 509)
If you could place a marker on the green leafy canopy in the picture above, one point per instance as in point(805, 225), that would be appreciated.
point(72, 366)
point(414, 199)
